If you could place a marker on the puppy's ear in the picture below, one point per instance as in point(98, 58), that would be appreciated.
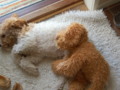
point(15, 15)
point(19, 24)
point(75, 34)
point(75, 31)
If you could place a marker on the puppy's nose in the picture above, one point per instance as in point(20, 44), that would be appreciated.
point(0, 45)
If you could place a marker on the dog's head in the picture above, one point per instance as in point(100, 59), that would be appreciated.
point(9, 31)
point(74, 35)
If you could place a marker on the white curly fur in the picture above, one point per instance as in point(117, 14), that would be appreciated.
point(36, 44)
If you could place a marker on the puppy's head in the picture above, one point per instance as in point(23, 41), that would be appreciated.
point(9, 31)
point(74, 35)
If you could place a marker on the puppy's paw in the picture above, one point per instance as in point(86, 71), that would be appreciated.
point(55, 64)
point(62, 68)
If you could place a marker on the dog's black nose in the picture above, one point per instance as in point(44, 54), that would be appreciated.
point(0, 45)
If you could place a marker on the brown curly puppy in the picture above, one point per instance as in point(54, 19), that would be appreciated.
point(84, 63)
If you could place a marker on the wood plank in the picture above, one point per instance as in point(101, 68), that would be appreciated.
point(52, 10)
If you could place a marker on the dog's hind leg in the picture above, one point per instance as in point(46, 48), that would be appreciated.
point(29, 67)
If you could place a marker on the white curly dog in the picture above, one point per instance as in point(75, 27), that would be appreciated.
point(31, 43)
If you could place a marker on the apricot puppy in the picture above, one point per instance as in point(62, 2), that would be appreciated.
point(84, 63)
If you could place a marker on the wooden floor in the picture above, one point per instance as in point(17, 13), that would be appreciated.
point(81, 7)
point(76, 6)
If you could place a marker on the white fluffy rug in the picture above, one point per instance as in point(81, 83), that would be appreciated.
point(100, 33)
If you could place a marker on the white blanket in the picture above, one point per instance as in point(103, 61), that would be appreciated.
point(101, 34)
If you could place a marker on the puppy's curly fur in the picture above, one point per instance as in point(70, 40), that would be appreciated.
point(84, 62)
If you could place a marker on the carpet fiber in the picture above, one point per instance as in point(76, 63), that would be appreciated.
point(100, 33)
point(8, 6)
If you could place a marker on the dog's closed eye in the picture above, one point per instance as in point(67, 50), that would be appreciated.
point(3, 36)
point(16, 27)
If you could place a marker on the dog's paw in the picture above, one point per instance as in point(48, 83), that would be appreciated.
point(55, 64)
point(62, 68)
point(33, 71)
point(29, 67)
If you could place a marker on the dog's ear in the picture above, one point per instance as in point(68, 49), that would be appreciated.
point(15, 15)
point(75, 31)
point(19, 24)
point(75, 34)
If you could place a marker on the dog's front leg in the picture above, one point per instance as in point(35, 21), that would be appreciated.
point(22, 56)
point(69, 66)
point(29, 67)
